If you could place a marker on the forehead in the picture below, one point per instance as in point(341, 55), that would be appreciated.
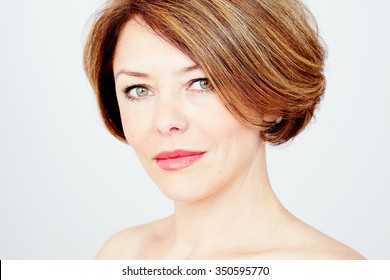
point(140, 47)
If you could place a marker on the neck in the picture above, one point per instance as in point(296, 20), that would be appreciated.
point(239, 214)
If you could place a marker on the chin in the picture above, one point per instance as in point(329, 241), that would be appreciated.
point(187, 185)
point(187, 191)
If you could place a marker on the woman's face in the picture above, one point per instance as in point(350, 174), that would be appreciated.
point(186, 139)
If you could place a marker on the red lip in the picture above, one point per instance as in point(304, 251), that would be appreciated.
point(177, 159)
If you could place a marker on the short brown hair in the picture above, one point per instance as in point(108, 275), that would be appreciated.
point(263, 57)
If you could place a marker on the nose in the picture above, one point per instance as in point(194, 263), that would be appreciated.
point(170, 117)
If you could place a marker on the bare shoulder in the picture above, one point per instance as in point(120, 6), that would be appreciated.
point(327, 248)
point(296, 240)
point(316, 245)
point(131, 242)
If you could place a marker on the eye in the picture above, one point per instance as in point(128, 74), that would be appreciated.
point(136, 91)
point(203, 84)
point(140, 91)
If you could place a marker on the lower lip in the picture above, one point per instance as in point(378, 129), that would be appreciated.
point(178, 163)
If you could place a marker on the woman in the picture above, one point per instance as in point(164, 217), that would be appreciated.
point(197, 88)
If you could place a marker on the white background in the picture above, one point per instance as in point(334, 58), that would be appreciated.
point(66, 185)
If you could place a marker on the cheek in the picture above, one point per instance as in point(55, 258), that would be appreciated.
point(224, 124)
point(132, 128)
point(133, 133)
point(235, 140)
point(131, 120)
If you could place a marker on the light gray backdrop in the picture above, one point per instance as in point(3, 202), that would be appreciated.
point(66, 185)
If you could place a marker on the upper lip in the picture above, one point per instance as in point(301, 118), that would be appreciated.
point(177, 154)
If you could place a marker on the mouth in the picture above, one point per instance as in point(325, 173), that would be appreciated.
point(177, 159)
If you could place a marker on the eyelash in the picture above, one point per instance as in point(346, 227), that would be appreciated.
point(126, 90)
point(190, 83)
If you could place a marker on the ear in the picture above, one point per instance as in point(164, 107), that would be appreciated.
point(269, 118)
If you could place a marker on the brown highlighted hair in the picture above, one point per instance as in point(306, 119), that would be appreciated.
point(263, 57)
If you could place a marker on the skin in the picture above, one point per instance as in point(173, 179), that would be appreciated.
point(224, 204)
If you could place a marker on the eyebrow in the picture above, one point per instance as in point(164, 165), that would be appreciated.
point(145, 75)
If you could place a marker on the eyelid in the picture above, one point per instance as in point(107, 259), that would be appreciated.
point(126, 89)
point(193, 81)
point(196, 80)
